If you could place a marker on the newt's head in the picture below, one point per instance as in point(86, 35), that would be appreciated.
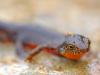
point(74, 47)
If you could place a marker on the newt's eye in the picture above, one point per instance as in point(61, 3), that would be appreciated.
point(69, 47)
point(66, 48)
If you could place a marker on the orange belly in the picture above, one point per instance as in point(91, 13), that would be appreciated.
point(73, 56)
point(29, 46)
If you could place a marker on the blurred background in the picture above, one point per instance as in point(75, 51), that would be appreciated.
point(75, 16)
point(78, 16)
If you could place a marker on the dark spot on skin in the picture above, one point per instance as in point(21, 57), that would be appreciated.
point(89, 42)
point(82, 37)
point(74, 42)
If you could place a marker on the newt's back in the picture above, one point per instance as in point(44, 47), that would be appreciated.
point(35, 34)
point(40, 35)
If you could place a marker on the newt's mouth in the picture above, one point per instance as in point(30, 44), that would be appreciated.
point(75, 55)
point(71, 51)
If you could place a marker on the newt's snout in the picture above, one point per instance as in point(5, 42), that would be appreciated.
point(74, 47)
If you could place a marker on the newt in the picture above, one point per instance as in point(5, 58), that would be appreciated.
point(29, 40)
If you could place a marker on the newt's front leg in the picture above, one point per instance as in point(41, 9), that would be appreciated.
point(34, 52)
